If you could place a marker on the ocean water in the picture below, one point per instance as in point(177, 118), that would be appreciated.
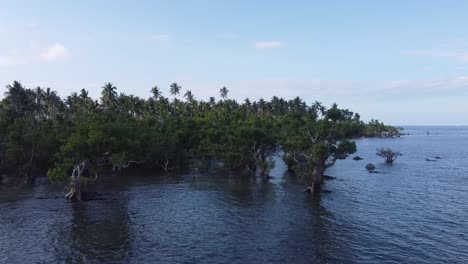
point(414, 211)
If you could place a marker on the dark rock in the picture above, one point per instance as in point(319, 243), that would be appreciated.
point(357, 158)
point(437, 157)
point(327, 178)
point(430, 160)
point(370, 167)
point(374, 171)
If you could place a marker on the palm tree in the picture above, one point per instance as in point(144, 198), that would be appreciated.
point(164, 106)
point(135, 105)
point(84, 94)
point(15, 95)
point(150, 107)
point(72, 99)
point(156, 92)
point(39, 102)
point(175, 89)
point(223, 92)
point(108, 95)
point(189, 95)
point(212, 101)
point(39, 94)
point(139, 106)
point(52, 102)
point(49, 94)
point(262, 105)
point(122, 103)
point(21, 99)
point(318, 107)
point(298, 105)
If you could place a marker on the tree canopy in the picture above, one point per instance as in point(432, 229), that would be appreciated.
point(41, 133)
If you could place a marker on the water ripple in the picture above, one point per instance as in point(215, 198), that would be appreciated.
point(412, 212)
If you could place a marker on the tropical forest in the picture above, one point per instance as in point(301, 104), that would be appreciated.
point(77, 139)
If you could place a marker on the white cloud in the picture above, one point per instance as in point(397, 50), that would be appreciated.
point(268, 44)
point(159, 37)
point(56, 52)
point(455, 55)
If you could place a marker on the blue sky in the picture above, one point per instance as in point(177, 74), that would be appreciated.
point(403, 62)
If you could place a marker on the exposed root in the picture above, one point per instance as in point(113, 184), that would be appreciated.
point(75, 182)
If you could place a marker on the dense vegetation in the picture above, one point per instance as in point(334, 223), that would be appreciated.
point(41, 133)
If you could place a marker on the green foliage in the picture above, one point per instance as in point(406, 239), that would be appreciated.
point(388, 154)
point(41, 133)
point(61, 172)
point(344, 148)
point(266, 166)
point(320, 140)
point(378, 129)
point(320, 153)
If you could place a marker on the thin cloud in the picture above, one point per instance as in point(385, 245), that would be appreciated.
point(454, 55)
point(56, 52)
point(268, 44)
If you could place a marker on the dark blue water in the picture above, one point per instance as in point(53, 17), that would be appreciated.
point(415, 211)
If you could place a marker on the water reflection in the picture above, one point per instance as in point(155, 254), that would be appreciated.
point(412, 212)
point(97, 232)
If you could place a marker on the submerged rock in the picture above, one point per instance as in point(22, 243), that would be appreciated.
point(327, 177)
point(437, 157)
point(430, 159)
point(370, 167)
point(357, 158)
point(309, 190)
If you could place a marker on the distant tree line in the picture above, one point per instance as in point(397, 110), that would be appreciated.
point(42, 134)
point(378, 129)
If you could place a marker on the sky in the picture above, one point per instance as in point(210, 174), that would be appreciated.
point(401, 62)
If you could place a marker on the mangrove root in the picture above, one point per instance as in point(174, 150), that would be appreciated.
point(75, 182)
